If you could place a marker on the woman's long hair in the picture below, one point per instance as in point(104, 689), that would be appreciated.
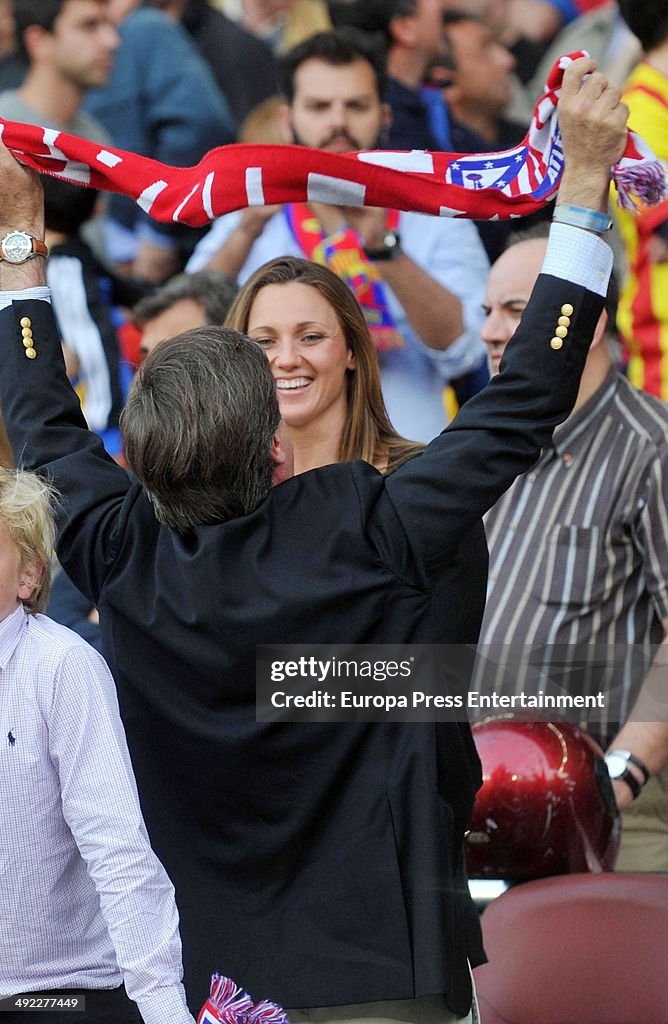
point(367, 433)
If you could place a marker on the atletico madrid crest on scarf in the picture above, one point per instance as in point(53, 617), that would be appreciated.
point(494, 186)
point(229, 1004)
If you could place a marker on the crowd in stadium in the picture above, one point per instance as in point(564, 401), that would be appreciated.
point(321, 423)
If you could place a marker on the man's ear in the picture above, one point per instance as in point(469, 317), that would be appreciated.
point(36, 41)
point(403, 30)
point(278, 455)
point(29, 579)
point(284, 115)
point(282, 455)
point(599, 332)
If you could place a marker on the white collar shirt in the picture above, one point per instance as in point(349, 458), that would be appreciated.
point(84, 901)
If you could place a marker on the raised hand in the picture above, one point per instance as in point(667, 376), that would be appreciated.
point(21, 197)
point(592, 120)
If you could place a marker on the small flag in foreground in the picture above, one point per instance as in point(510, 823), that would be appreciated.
point(229, 1004)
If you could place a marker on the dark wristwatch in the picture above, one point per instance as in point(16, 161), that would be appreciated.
point(389, 250)
point(617, 762)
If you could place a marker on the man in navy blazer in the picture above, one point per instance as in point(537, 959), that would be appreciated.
point(318, 864)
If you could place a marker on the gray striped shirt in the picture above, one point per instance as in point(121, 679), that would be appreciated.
point(578, 576)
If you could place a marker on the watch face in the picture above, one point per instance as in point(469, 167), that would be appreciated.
point(616, 765)
point(17, 247)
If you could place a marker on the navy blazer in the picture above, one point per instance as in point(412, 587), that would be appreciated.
point(317, 864)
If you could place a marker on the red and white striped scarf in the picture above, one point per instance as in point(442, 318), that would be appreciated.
point(488, 186)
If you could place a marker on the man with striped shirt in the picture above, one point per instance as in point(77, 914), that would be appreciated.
point(579, 556)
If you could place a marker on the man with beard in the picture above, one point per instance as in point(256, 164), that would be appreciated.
point(418, 279)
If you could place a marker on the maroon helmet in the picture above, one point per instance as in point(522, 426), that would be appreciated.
point(546, 806)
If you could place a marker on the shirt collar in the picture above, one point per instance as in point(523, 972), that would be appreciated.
point(582, 420)
point(10, 632)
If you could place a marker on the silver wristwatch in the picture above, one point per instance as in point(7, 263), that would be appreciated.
point(18, 246)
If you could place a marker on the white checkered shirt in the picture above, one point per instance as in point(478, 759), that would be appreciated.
point(84, 902)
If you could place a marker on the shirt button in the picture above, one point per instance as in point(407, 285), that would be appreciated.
point(532, 477)
point(493, 575)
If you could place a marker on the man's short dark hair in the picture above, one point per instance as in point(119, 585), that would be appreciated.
point(213, 290)
point(647, 19)
point(198, 426)
point(35, 12)
point(371, 16)
point(457, 17)
point(339, 49)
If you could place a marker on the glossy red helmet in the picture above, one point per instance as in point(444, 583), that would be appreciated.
point(546, 806)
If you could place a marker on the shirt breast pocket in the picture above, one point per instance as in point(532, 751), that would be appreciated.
point(575, 568)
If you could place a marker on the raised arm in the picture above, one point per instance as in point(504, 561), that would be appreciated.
point(499, 433)
point(42, 414)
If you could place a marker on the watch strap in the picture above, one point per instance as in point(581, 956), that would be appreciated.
point(39, 248)
point(581, 217)
point(389, 250)
point(635, 761)
point(631, 781)
point(641, 766)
